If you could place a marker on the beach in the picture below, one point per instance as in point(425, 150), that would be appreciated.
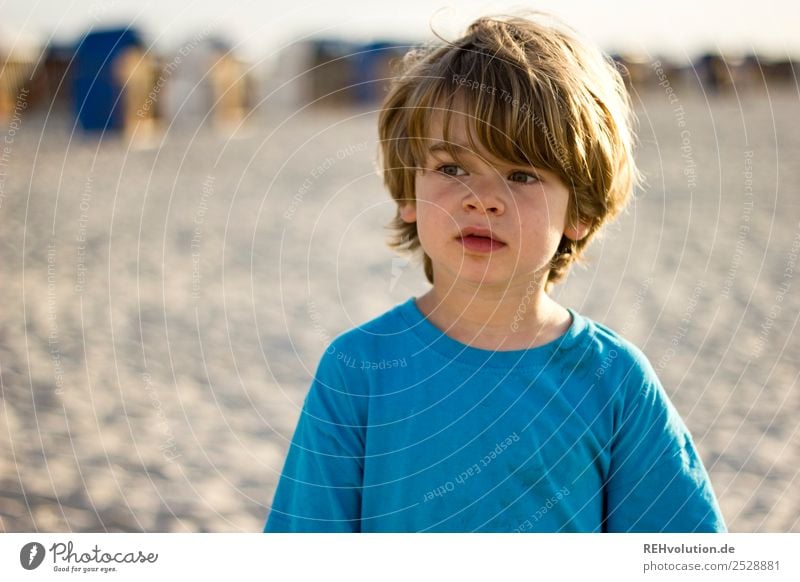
point(164, 308)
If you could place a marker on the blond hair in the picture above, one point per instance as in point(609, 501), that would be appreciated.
point(537, 96)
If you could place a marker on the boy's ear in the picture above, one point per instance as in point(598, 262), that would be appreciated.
point(408, 212)
point(578, 232)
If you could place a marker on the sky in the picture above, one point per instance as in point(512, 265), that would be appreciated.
point(259, 28)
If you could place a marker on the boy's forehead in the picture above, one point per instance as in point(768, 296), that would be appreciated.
point(456, 126)
point(457, 137)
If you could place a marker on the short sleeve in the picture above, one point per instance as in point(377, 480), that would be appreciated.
point(656, 481)
point(320, 486)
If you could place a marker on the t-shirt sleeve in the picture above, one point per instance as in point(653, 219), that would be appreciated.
point(320, 487)
point(656, 481)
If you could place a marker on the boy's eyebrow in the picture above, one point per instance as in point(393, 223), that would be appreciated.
point(441, 146)
point(466, 150)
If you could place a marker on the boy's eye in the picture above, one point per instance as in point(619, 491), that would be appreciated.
point(523, 177)
point(451, 170)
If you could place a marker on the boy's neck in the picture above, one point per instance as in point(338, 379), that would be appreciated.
point(491, 319)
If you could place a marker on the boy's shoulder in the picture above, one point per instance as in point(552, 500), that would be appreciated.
point(610, 339)
point(610, 347)
point(390, 325)
point(591, 355)
point(587, 339)
point(386, 334)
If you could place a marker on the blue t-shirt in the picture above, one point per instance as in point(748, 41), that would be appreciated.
point(405, 429)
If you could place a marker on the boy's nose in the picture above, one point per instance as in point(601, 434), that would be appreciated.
point(484, 198)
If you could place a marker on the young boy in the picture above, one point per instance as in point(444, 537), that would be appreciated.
point(483, 405)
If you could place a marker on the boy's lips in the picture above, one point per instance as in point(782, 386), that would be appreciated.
point(479, 239)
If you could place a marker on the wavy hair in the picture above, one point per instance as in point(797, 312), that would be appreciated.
point(535, 95)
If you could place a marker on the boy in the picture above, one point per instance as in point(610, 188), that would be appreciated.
point(484, 406)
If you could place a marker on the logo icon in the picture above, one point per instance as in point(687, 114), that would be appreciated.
point(31, 555)
point(399, 265)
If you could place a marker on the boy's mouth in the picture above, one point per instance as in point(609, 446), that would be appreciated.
point(480, 240)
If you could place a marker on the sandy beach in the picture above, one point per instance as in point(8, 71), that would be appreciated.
point(163, 309)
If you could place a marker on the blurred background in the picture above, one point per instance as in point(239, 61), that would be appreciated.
point(191, 210)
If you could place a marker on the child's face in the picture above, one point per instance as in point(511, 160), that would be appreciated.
point(523, 208)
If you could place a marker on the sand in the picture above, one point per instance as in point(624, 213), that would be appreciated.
point(164, 309)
